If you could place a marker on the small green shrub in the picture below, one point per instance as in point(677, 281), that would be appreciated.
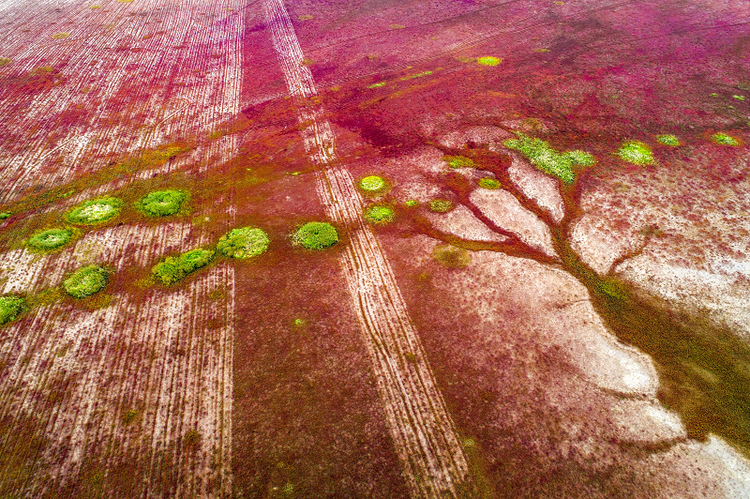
point(489, 61)
point(316, 235)
point(94, 211)
point(4, 215)
point(86, 281)
point(636, 152)
point(161, 203)
point(245, 242)
point(441, 205)
point(724, 139)
point(10, 308)
point(668, 140)
point(380, 215)
point(458, 161)
point(49, 239)
point(548, 160)
point(489, 183)
point(411, 203)
point(373, 183)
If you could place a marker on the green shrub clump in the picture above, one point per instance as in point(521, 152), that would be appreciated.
point(668, 140)
point(546, 159)
point(636, 152)
point(380, 215)
point(4, 215)
point(86, 281)
point(488, 60)
point(458, 161)
point(316, 235)
point(49, 239)
point(724, 139)
point(441, 205)
point(245, 242)
point(173, 269)
point(489, 183)
point(161, 203)
point(94, 211)
point(10, 308)
point(373, 183)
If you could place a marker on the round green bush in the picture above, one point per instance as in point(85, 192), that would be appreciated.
point(373, 183)
point(636, 152)
point(86, 281)
point(161, 203)
point(380, 215)
point(245, 242)
point(316, 235)
point(10, 308)
point(49, 239)
point(94, 211)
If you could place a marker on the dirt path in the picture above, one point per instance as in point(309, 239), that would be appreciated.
point(423, 432)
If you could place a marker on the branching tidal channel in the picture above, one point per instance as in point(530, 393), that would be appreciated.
point(704, 371)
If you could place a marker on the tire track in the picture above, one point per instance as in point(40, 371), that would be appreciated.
point(425, 439)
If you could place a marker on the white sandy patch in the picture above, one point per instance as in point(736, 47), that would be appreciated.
point(504, 210)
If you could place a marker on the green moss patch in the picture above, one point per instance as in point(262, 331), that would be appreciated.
point(548, 160)
point(489, 61)
point(380, 215)
point(49, 239)
point(372, 183)
point(316, 235)
point(411, 203)
point(724, 139)
point(11, 307)
point(94, 211)
point(86, 281)
point(245, 242)
point(441, 205)
point(489, 183)
point(4, 215)
point(636, 153)
point(458, 161)
point(451, 257)
point(174, 269)
point(668, 140)
point(161, 203)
